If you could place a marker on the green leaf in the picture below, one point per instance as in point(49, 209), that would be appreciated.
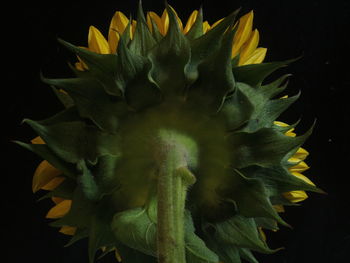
point(197, 28)
point(247, 255)
point(240, 231)
point(64, 190)
point(143, 40)
point(135, 229)
point(43, 151)
point(100, 235)
point(101, 67)
point(88, 182)
point(169, 58)
point(74, 141)
point(236, 110)
point(278, 180)
point(92, 102)
point(155, 31)
point(215, 79)
point(254, 74)
point(251, 198)
point(208, 44)
point(134, 79)
point(196, 249)
point(227, 253)
point(265, 111)
point(274, 88)
point(235, 61)
point(68, 115)
point(80, 233)
point(64, 98)
point(267, 147)
point(105, 174)
point(80, 213)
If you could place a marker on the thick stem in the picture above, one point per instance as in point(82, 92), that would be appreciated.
point(173, 181)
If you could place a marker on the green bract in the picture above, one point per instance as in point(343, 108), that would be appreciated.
point(177, 105)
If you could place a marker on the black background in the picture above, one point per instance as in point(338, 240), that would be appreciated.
point(318, 30)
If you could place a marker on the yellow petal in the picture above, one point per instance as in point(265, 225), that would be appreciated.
point(53, 183)
point(117, 255)
point(295, 196)
point(165, 22)
point(249, 47)
point(303, 177)
point(97, 42)
point(113, 40)
point(282, 124)
point(153, 16)
point(279, 208)
point(119, 22)
point(294, 160)
point(59, 210)
point(243, 32)
point(117, 26)
point(57, 200)
point(68, 230)
point(216, 23)
point(191, 20)
point(262, 233)
point(43, 175)
point(37, 140)
point(301, 154)
point(206, 27)
point(290, 133)
point(300, 167)
point(257, 57)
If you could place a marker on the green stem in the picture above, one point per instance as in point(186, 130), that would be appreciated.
point(173, 181)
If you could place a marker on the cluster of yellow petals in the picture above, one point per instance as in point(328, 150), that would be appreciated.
point(47, 177)
point(245, 42)
point(296, 170)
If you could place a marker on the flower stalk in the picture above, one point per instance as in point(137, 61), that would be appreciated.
point(174, 178)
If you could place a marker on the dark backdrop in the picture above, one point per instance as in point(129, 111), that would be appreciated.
point(318, 30)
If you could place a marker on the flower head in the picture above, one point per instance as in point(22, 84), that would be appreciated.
point(169, 147)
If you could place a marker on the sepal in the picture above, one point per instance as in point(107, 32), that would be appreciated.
point(80, 213)
point(75, 141)
point(276, 87)
point(196, 30)
point(92, 102)
point(236, 110)
point(251, 197)
point(267, 147)
point(65, 190)
point(254, 74)
point(143, 40)
point(215, 78)
point(241, 231)
point(102, 67)
point(169, 58)
point(45, 152)
point(134, 78)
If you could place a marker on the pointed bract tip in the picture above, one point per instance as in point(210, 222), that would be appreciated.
point(26, 121)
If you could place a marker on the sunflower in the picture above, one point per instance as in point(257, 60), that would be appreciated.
point(169, 147)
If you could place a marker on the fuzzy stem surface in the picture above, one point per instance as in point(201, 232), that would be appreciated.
point(174, 178)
